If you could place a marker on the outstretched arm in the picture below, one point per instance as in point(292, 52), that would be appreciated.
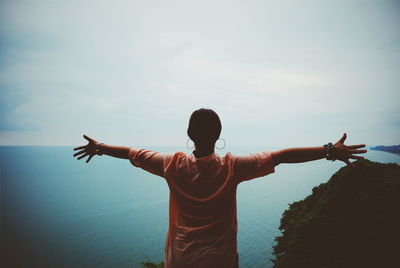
point(299, 155)
point(95, 148)
point(148, 160)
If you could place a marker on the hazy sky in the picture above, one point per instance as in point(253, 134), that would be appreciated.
point(279, 73)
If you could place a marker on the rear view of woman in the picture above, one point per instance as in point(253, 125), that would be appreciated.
point(202, 206)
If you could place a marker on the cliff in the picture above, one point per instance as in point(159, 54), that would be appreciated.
point(353, 220)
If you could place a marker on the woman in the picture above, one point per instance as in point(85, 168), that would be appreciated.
point(202, 207)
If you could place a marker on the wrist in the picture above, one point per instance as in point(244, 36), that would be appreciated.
point(330, 151)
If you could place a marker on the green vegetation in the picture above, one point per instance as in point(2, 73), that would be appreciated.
point(353, 220)
point(152, 265)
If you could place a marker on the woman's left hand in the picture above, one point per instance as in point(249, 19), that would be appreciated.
point(87, 150)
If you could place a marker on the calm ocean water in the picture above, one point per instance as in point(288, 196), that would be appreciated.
point(60, 212)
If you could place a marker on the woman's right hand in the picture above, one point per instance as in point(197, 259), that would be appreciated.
point(344, 152)
point(89, 149)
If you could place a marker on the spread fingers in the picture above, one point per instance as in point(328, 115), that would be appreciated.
point(356, 146)
point(82, 156)
point(78, 153)
point(356, 157)
point(357, 151)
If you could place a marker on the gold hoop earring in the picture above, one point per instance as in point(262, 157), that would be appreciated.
point(221, 147)
point(187, 144)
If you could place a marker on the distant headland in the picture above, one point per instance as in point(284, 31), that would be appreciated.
point(394, 149)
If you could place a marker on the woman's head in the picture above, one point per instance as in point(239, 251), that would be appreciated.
point(204, 127)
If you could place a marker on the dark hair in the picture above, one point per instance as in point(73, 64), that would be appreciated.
point(204, 127)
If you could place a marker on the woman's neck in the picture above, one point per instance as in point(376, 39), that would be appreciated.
point(203, 151)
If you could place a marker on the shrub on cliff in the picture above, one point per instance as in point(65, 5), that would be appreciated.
point(148, 264)
point(353, 220)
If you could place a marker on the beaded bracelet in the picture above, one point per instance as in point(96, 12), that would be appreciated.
point(98, 149)
point(330, 152)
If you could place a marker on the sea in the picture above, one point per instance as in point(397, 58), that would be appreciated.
point(60, 212)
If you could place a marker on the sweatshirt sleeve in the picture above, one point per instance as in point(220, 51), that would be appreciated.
point(151, 161)
point(247, 167)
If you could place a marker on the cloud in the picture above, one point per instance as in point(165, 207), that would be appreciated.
point(133, 71)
